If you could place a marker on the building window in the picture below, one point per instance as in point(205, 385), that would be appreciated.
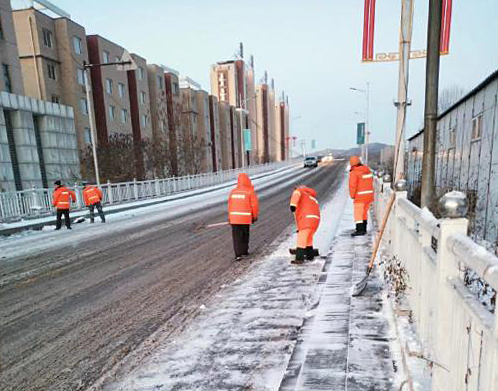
point(160, 82)
point(105, 56)
point(55, 99)
point(477, 127)
point(121, 90)
point(175, 88)
point(84, 106)
point(1, 29)
point(142, 97)
point(141, 73)
point(108, 86)
point(6, 78)
point(47, 38)
point(80, 76)
point(88, 136)
point(78, 49)
point(51, 71)
point(145, 120)
point(112, 113)
point(124, 116)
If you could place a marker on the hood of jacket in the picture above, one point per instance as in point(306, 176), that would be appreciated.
point(307, 190)
point(361, 169)
point(244, 182)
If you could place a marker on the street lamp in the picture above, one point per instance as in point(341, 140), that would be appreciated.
point(125, 64)
point(367, 127)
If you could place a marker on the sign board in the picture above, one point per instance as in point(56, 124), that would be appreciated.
point(360, 133)
point(247, 140)
point(130, 63)
point(313, 144)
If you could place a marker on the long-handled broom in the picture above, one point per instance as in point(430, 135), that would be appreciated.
point(360, 286)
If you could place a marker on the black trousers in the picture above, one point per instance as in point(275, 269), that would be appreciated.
point(240, 234)
point(98, 205)
point(61, 212)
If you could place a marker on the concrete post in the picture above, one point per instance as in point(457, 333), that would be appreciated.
point(156, 185)
point(444, 308)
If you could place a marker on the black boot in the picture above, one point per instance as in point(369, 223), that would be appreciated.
point(299, 256)
point(309, 253)
point(359, 230)
point(365, 224)
point(292, 251)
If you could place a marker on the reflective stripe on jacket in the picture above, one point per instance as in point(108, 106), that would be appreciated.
point(92, 195)
point(242, 202)
point(62, 197)
point(361, 184)
point(307, 208)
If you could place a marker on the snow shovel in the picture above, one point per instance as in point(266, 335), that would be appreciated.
point(360, 286)
point(202, 226)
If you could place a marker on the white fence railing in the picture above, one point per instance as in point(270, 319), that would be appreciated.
point(38, 202)
point(459, 334)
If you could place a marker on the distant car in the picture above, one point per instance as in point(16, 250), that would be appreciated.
point(328, 158)
point(310, 162)
point(319, 158)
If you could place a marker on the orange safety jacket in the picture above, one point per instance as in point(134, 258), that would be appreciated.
point(92, 195)
point(307, 208)
point(361, 184)
point(243, 205)
point(62, 198)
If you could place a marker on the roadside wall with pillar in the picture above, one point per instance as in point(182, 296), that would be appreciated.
point(457, 323)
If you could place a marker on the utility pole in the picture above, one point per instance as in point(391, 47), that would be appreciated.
point(89, 105)
point(367, 124)
point(405, 38)
point(431, 100)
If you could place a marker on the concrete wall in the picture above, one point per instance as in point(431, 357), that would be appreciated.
point(55, 124)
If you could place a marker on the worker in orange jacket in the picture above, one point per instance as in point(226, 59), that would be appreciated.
point(61, 200)
point(306, 211)
point(92, 196)
point(243, 211)
point(361, 191)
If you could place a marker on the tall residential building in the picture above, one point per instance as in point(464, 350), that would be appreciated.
point(282, 129)
point(174, 108)
point(250, 106)
point(235, 137)
point(225, 136)
point(228, 82)
point(204, 131)
point(273, 135)
point(51, 53)
point(263, 123)
point(37, 138)
point(158, 103)
point(11, 79)
point(214, 119)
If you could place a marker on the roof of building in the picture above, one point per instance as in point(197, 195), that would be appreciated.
point(492, 77)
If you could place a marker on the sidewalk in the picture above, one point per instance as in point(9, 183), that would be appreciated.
point(281, 327)
point(345, 343)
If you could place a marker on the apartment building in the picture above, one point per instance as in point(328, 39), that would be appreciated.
point(37, 138)
point(263, 123)
point(225, 136)
point(51, 54)
point(273, 136)
point(158, 103)
point(250, 106)
point(282, 129)
point(204, 131)
point(228, 82)
point(174, 110)
point(214, 120)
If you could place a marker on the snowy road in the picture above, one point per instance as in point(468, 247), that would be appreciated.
point(73, 304)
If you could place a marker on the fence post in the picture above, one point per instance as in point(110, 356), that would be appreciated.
point(109, 192)
point(156, 185)
point(77, 190)
point(450, 224)
point(135, 189)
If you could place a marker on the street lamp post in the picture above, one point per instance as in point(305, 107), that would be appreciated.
point(367, 125)
point(124, 65)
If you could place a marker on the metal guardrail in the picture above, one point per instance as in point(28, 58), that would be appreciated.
point(38, 202)
point(458, 332)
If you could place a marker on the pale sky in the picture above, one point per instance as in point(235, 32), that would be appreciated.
point(312, 48)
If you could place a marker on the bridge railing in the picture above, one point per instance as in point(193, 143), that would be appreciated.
point(458, 326)
point(38, 202)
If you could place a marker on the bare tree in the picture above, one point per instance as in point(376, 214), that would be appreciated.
point(448, 96)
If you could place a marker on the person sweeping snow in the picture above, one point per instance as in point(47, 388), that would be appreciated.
point(243, 211)
point(306, 211)
point(361, 191)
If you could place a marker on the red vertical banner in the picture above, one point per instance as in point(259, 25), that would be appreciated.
point(446, 22)
point(368, 30)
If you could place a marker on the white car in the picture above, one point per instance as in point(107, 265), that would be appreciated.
point(310, 162)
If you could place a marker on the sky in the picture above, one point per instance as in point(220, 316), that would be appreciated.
point(312, 48)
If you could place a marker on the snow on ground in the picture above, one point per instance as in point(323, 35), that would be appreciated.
point(31, 242)
point(245, 336)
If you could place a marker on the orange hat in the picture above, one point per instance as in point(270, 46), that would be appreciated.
point(354, 161)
